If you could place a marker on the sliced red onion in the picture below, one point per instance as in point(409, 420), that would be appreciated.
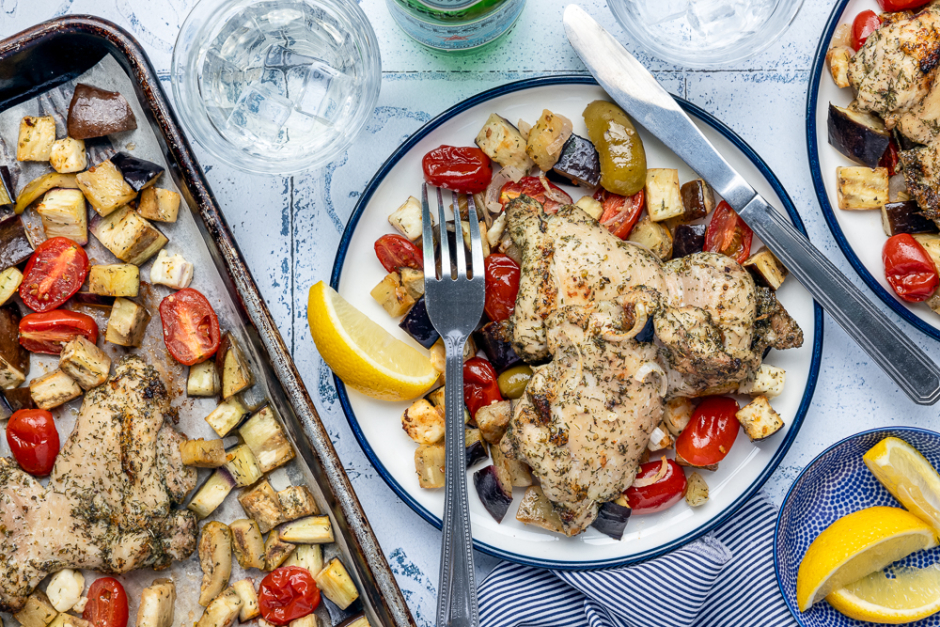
point(555, 147)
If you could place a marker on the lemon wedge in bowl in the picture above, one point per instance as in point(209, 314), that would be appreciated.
point(908, 476)
point(909, 595)
point(365, 356)
point(857, 545)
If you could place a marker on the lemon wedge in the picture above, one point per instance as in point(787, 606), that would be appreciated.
point(909, 595)
point(908, 476)
point(363, 354)
point(857, 545)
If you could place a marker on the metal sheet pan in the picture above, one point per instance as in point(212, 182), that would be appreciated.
point(60, 50)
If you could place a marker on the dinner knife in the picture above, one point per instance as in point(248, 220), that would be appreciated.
point(634, 88)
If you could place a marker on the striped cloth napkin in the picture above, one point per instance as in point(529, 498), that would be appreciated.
point(725, 579)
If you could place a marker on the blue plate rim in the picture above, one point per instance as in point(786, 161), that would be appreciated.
point(574, 79)
point(812, 149)
point(797, 614)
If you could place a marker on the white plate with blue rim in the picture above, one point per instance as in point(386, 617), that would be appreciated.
point(377, 424)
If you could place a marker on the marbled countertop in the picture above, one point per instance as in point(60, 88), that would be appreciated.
point(289, 227)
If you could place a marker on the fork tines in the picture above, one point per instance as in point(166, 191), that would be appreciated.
point(476, 246)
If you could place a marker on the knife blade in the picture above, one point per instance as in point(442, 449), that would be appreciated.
point(631, 86)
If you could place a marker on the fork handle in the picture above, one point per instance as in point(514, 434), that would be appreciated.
point(457, 593)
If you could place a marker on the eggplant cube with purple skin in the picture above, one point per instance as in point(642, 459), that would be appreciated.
point(128, 236)
point(63, 214)
point(36, 138)
point(494, 496)
point(161, 205)
point(105, 188)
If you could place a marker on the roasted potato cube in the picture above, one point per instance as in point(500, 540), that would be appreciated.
point(63, 214)
point(68, 156)
point(263, 506)
point(121, 280)
point(203, 380)
point(839, 58)
point(759, 419)
point(243, 466)
point(36, 138)
point(663, 197)
point(226, 416)
point(127, 323)
point(53, 389)
point(160, 205)
point(653, 236)
point(297, 502)
point(37, 611)
point(246, 592)
point(429, 464)
point(85, 362)
point(202, 453)
point(265, 437)
point(128, 236)
point(407, 219)
point(413, 282)
point(423, 422)
point(248, 543)
point(276, 551)
point(105, 187)
point(157, 604)
point(503, 143)
point(493, 420)
point(393, 297)
point(171, 270)
point(234, 368)
point(767, 381)
point(862, 188)
point(215, 558)
point(222, 610)
point(336, 584)
point(766, 268)
point(590, 206)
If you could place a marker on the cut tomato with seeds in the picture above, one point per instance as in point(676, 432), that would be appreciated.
point(534, 188)
point(190, 327)
point(620, 213)
point(396, 252)
point(48, 332)
point(728, 234)
point(55, 271)
point(909, 270)
point(462, 169)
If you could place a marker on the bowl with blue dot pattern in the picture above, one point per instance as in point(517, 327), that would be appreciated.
point(833, 485)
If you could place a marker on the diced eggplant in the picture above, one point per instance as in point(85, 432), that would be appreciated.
point(493, 420)
point(10, 280)
point(336, 584)
point(234, 368)
point(246, 592)
point(766, 268)
point(215, 558)
point(262, 505)
point(137, 173)
point(688, 239)
point(905, 217)
point(157, 604)
point(85, 362)
point(759, 419)
point(127, 323)
point(494, 497)
point(94, 300)
point(612, 519)
point(226, 416)
point(161, 205)
point(15, 246)
point(862, 188)
point(202, 453)
point(654, 236)
point(297, 502)
point(19, 398)
point(68, 620)
point(243, 466)
point(265, 437)
point(212, 493)
point(495, 339)
point(393, 297)
point(6, 410)
point(536, 509)
point(309, 530)
point(247, 543)
point(429, 464)
point(95, 112)
point(423, 422)
point(413, 282)
point(547, 139)
point(503, 143)
point(663, 197)
point(407, 219)
point(698, 200)
point(63, 214)
point(37, 187)
point(309, 556)
point(14, 359)
point(696, 490)
point(37, 611)
point(590, 206)
point(767, 381)
point(417, 324)
point(68, 156)
point(105, 188)
point(53, 389)
point(203, 379)
point(860, 136)
point(128, 236)
point(838, 58)
point(475, 446)
point(359, 620)
point(7, 196)
point(222, 610)
point(512, 472)
point(36, 138)
point(171, 270)
point(276, 550)
point(579, 162)
point(646, 333)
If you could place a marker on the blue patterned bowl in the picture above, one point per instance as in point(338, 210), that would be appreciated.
point(834, 484)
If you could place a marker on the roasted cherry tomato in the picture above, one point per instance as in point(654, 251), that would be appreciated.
point(909, 269)
point(502, 285)
point(287, 593)
point(396, 252)
point(710, 433)
point(620, 213)
point(190, 327)
point(532, 187)
point(465, 170)
point(49, 331)
point(891, 6)
point(34, 440)
point(107, 603)
point(864, 25)
point(658, 496)
point(480, 385)
point(728, 234)
point(890, 159)
point(54, 273)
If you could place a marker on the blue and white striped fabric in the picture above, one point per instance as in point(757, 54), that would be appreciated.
point(725, 579)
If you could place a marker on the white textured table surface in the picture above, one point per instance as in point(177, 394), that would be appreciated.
point(288, 228)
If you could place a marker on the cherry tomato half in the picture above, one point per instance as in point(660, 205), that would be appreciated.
point(465, 170)
point(909, 269)
point(287, 593)
point(890, 159)
point(107, 603)
point(728, 234)
point(865, 24)
point(663, 494)
point(50, 331)
point(502, 286)
point(396, 252)
point(711, 432)
point(532, 187)
point(480, 385)
point(54, 273)
point(892, 6)
point(190, 327)
point(620, 213)
point(34, 440)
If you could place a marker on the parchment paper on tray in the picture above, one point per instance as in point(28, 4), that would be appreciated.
point(184, 238)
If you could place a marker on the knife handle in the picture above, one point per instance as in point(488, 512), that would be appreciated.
point(891, 349)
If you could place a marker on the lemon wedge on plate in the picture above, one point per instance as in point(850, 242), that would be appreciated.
point(909, 595)
point(857, 545)
point(908, 476)
point(363, 354)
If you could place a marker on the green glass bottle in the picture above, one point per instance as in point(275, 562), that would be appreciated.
point(455, 24)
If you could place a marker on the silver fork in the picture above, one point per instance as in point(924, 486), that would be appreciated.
point(455, 305)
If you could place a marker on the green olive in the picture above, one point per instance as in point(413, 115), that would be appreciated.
point(513, 381)
point(623, 159)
